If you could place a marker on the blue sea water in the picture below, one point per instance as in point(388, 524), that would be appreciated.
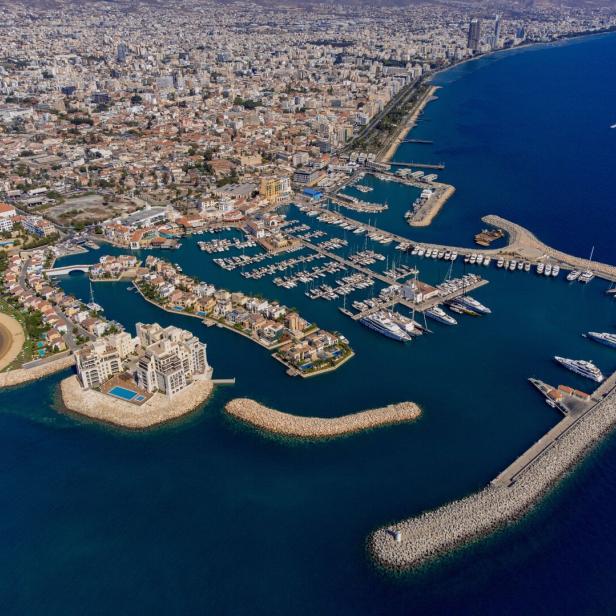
point(206, 516)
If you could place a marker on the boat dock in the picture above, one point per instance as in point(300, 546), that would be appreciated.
point(419, 306)
point(552, 438)
point(440, 166)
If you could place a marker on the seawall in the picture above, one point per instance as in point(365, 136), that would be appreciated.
point(157, 410)
point(285, 424)
point(409, 543)
point(24, 375)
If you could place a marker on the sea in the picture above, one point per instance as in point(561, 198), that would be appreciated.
point(207, 516)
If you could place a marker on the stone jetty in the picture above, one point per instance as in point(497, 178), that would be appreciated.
point(158, 409)
point(24, 375)
point(285, 424)
point(407, 544)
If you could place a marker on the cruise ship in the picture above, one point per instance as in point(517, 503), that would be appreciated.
point(604, 338)
point(438, 314)
point(381, 323)
point(581, 367)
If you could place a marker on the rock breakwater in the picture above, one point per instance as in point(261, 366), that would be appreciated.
point(409, 543)
point(285, 424)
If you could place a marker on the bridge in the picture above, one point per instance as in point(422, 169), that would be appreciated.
point(67, 269)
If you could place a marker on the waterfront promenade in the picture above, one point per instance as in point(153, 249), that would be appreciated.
point(414, 541)
point(40, 370)
point(285, 424)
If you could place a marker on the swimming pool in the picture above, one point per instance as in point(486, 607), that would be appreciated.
point(123, 393)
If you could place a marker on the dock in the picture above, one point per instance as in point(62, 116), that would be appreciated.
point(552, 438)
point(418, 141)
point(440, 166)
point(420, 306)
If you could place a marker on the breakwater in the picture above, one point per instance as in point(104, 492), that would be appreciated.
point(285, 424)
point(407, 544)
point(157, 410)
point(24, 375)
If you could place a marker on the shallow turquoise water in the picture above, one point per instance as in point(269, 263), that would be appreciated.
point(206, 516)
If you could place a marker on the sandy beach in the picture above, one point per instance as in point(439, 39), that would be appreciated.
point(285, 424)
point(157, 410)
point(408, 124)
point(12, 339)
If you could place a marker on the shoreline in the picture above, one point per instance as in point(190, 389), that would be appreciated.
point(12, 339)
point(297, 426)
point(25, 375)
point(407, 125)
point(157, 410)
point(415, 541)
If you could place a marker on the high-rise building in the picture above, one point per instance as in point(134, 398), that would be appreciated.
point(497, 31)
point(474, 34)
point(121, 53)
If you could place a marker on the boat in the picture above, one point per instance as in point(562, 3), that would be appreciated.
point(512, 265)
point(500, 263)
point(382, 324)
point(582, 367)
point(573, 275)
point(473, 304)
point(586, 276)
point(527, 266)
point(555, 271)
point(486, 261)
point(461, 308)
point(540, 268)
point(604, 338)
point(548, 270)
point(520, 265)
point(438, 314)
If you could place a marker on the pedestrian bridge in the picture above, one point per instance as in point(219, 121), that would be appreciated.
point(67, 269)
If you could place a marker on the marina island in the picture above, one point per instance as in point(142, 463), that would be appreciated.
point(304, 348)
point(137, 382)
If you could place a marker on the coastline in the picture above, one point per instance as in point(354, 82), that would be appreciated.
point(157, 410)
point(407, 125)
point(24, 375)
point(412, 542)
point(285, 424)
point(12, 339)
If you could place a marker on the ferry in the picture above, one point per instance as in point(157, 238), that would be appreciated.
point(382, 324)
point(604, 338)
point(581, 367)
point(438, 314)
point(573, 275)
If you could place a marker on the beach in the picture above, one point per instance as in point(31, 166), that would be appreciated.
point(12, 339)
point(285, 424)
point(408, 124)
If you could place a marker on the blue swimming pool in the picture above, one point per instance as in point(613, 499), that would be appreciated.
point(122, 392)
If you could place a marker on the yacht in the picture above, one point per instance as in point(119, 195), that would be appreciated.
point(473, 304)
point(555, 271)
point(454, 256)
point(586, 276)
point(581, 367)
point(540, 268)
point(512, 265)
point(548, 270)
point(520, 265)
point(486, 261)
point(573, 275)
point(500, 262)
point(527, 266)
point(438, 314)
point(604, 338)
point(381, 323)
point(479, 259)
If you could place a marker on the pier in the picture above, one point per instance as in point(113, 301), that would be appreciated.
point(418, 141)
point(440, 166)
point(411, 542)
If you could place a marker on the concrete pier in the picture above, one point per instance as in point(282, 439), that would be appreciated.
point(508, 497)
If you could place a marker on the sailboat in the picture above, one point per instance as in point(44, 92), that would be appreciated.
point(93, 305)
point(587, 275)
